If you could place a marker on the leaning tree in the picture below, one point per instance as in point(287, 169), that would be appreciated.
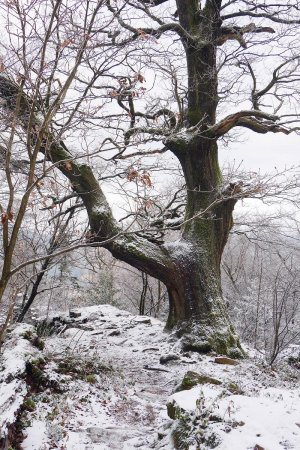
point(73, 77)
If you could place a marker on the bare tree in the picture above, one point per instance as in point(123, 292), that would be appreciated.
point(89, 57)
point(261, 284)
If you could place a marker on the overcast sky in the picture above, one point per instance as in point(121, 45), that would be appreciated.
point(264, 152)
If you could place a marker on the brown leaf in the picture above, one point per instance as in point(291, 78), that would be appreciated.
point(65, 43)
point(139, 77)
point(114, 93)
point(68, 166)
point(148, 203)
point(4, 218)
point(132, 174)
point(146, 180)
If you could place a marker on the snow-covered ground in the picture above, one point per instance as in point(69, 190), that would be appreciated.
point(104, 388)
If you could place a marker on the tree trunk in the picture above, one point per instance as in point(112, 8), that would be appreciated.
point(34, 290)
point(197, 310)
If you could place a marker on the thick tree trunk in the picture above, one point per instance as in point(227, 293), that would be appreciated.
point(197, 309)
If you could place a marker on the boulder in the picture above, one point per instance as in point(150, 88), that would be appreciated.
point(74, 314)
point(167, 358)
point(226, 360)
point(192, 379)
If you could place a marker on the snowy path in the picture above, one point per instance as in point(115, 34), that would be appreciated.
point(125, 408)
point(109, 392)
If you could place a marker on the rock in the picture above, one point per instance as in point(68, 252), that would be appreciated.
point(74, 314)
point(97, 332)
point(144, 320)
point(186, 355)
point(114, 333)
point(226, 360)
point(95, 316)
point(56, 319)
point(294, 362)
point(174, 411)
point(83, 327)
point(192, 379)
point(150, 349)
point(111, 326)
point(183, 431)
point(236, 424)
point(167, 358)
point(234, 388)
point(113, 437)
point(164, 431)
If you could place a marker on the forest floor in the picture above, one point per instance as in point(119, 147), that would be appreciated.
point(104, 381)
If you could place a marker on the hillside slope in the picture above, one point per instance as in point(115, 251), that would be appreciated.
point(106, 380)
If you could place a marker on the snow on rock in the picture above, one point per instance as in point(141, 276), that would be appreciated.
point(13, 388)
point(269, 418)
point(13, 358)
point(11, 398)
point(270, 422)
point(241, 422)
point(38, 433)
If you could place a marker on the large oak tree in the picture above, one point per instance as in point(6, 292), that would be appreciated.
point(91, 46)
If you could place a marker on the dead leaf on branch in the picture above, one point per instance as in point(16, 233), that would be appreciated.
point(132, 174)
point(139, 77)
point(5, 217)
point(68, 166)
point(65, 43)
point(148, 203)
point(146, 180)
point(113, 93)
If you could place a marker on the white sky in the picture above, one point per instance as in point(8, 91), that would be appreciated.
point(264, 152)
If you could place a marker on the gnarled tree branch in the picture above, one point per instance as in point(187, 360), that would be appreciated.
point(134, 250)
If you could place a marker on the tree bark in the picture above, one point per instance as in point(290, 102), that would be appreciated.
point(197, 309)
